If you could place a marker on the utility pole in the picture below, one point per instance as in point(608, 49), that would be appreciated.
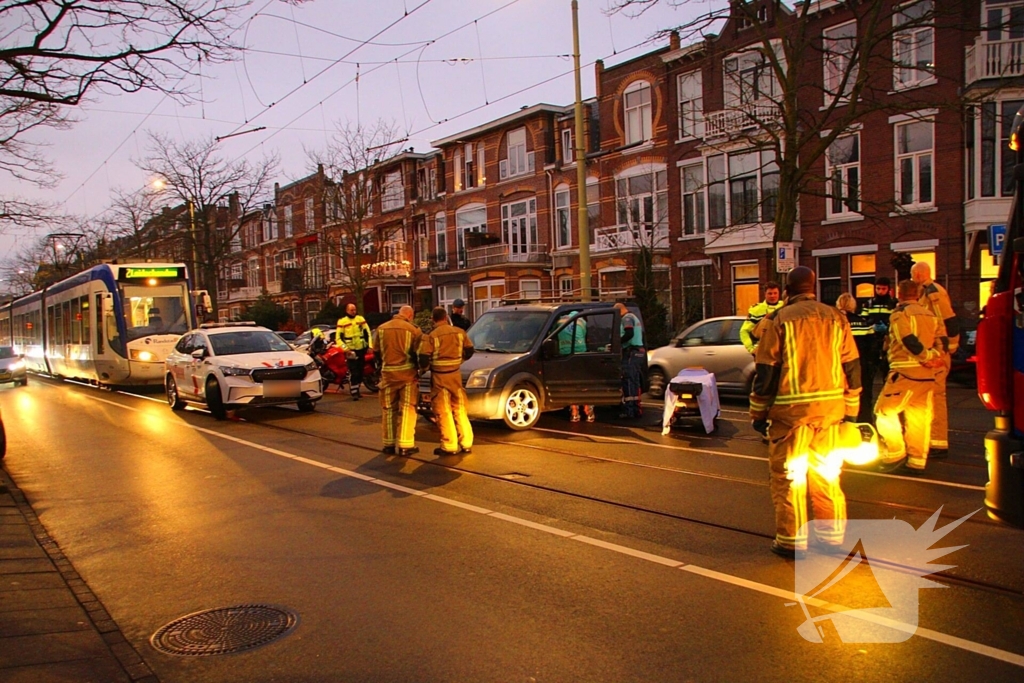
point(581, 162)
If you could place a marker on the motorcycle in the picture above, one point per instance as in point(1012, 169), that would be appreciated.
point(333, 365)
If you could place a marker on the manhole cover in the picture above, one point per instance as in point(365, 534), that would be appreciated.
point(224, 630)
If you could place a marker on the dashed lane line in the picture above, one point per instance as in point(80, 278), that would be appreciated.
point(721, 577)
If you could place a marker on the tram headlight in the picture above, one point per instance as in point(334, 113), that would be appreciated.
point(234, 372)
point(140, 355)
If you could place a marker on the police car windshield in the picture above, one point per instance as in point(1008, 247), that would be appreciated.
point(247, 341)
point(507, 331)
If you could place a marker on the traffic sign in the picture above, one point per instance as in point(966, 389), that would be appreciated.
point(996, 239)
point(785, 257)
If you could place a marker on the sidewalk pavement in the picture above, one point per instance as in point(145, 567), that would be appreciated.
point(52, 627)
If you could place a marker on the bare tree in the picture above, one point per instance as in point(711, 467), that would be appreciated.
point(349, 235)
point(130, 217)
point(778, 102)
point(212, 192)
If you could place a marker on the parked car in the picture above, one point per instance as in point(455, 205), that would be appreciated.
point(233, 365)
point(12, 366)
point(287, 335)
point(301, 343)
point(713, 344)
point(519, 369)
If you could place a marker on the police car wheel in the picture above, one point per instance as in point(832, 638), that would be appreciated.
point(307, 406)
point(214, 400)
point(522, 408)
point(656, 381)
point(173, 399)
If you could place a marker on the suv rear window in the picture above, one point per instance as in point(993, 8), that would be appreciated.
point(507, 331)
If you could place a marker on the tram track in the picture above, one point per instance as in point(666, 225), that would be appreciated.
point(942, 576)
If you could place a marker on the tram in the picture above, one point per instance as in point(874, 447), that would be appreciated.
point(113, 324)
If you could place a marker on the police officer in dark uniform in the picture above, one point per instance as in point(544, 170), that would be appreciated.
point(457, 318)
point(873, 360)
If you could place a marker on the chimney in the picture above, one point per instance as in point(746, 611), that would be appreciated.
point(673, 40)
point(598, 70)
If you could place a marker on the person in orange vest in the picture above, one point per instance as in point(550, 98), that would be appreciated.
point(396, 343)
point(443, 351)
point(353, 335)
point(916, 348)
point(806, 384)
point(935, 298)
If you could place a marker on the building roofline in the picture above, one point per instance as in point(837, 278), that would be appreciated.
point(497, 123)
point(685, 51)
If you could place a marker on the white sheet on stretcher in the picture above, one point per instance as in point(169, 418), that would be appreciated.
point(707, 401)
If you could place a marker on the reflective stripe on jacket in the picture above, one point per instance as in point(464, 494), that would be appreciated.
point(755, 314)
point(353, 333)
point(806, 355)
point(915, 337)
point(397, 342)
point(935, 298)
point(445, 346)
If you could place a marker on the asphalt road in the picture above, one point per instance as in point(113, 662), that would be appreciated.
point(572, 552)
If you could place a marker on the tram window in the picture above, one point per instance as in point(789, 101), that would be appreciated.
point(155, 310)
point(67, 322)
point(86, 322)
point(76, 321)
point(58, 326)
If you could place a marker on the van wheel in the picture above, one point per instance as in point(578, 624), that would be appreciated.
point(171, 390)
point(522, 408)
point(214, 400)
point(656, 381)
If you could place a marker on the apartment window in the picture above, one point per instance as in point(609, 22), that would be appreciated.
point(746, 287)
point(914, 163)
point(642, 203)
point(310, 223)
point(563, 224)
point(529, 289)
point(742, 188)
point(289, 228)
point(516, 161)
point(399, 298)
point(271, 270)
point(696, 293)
point(487, 295)
point(312, 310)
point(593, 203)
point(637, 107)
point(614, 282)
point(393, 196)
point(692, 182)
point(914, 44)
point(838, 45)
point(862, 275)
point(1004, 23)
point(749, 78)
point(567, 150)
point(426, 183)
point(469, 166)
point(842, 168)
point(422, 244)
point(1008, 109)
point(252, 273)
point(830, 279)
point(446, 294)
point(565, 288)
point(472, 218)
point(691, 105)
point(440, 238)
point(519, 228)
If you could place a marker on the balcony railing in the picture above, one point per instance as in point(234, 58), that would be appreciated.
point(244, 294)
point(387, 269)
point(994, 59)
point(739, 118)
point(624, 238)
point(499, 254)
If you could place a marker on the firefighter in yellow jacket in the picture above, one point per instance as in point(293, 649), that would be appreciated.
point(397, 343)
point(354, 338)
point(935, 298)
point(807, 383)
point(443, 351)
point(916, 344)
point(755, 314)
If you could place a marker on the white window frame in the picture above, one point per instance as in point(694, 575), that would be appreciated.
point(563, 217)
point(844, 170)
point(393, 196)
point(446, 294)
point(288, 225)
point(908, 74)
point(441, 238)
point(535, 288)
point(422, 244)
point(461, 230)
point(837, 55)
point(606, 292)
point(491, 301)
point(1003, 24)
point(637, 119)
point(727, 181)
point(563, 291)
point(635, 205)
point(515, 143)
point(520, 232)
point(690, 104)
point(748, 77)
point(252, 272)
point(310, 222)
point(915, 158)
point(693, 201)
point(568, 151)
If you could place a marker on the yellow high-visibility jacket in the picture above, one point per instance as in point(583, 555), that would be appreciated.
point(807, 364)
point(915, 338)
point(755, 314)
point(353, 333)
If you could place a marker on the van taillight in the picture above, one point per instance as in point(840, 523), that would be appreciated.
point(995, 353)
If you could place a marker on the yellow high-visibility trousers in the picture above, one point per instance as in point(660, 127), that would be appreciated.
point(398, 413)
point(802, 460)
point(940, 425)
point(913, 399)
point(449, 402)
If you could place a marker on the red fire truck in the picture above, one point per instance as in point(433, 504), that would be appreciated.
point(1000, 355)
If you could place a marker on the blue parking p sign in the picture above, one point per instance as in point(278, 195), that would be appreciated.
point(996, 239)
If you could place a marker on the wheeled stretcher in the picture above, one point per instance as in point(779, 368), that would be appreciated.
point(691, 396)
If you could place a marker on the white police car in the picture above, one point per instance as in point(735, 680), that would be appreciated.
point(234, 365)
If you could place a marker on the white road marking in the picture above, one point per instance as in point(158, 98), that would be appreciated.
point(706, 451)
point(928, 634)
